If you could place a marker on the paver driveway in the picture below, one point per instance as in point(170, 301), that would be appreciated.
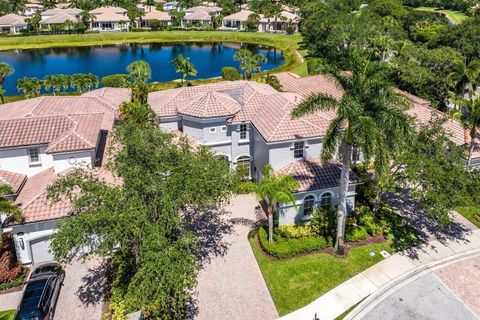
point(82, 289)
point(231, 285)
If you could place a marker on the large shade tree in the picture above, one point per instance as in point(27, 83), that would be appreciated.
point(369, 116)
point(161, 179)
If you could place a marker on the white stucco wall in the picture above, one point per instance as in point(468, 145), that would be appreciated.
point(281, 154)
point(30, 232)
point(63, 161)
point(288, 214)
point(16, 160)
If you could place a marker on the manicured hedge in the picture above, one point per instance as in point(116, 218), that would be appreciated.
point(230, 74)
point(119, 80)
point(287, 248)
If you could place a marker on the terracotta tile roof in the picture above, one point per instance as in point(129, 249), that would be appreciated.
point(33, 199)
point(210, 104)
point(157, 15)
point(56, 11)
point(10, 19)
point(309, 85)
point(107, 9)
point(15, 180)
point(59, 18)
point(201, 15)
point(315, 175)
point(239, 16)
point(204, 8)
point(62, 133)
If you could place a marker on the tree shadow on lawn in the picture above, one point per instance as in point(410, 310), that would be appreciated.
point(95, 286)
point(425, 227)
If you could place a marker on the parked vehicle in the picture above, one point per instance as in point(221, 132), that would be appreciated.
point(41, 293)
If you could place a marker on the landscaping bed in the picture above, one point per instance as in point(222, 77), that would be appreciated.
point(7, 315)
point(12, 274)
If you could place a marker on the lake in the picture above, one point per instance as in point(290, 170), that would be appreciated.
point(208, 58)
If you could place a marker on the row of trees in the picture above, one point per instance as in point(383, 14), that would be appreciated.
point(32, 86)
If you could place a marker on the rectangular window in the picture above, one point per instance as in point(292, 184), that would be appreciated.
point(33, 156)
point(243, 131)
point(298, 149)
point(224, 129)
point(213, 130)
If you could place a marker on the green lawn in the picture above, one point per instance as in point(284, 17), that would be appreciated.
point(295, 282)
point(469, 213)
point(7, 315)
point(455, 17)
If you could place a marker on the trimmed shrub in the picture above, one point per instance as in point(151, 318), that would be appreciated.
point(230, 74)
point(295, 231)
point(356, 234)
point(10, 270)
point(290, 29)
point(287, 248)
point(324, 222)
point(119, 80)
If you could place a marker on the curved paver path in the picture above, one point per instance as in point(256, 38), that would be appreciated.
point(231, 285)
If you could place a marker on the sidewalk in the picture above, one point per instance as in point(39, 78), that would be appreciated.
point(385, 273)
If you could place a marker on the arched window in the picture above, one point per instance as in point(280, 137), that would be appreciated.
point(244, 161)
point(308, 204)
point(326, 199)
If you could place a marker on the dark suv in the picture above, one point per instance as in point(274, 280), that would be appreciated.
point(41, 293)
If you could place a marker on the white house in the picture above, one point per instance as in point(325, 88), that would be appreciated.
point(109, 19)
point(41, 139)
point(12, 23)
point(31, 7)
point(168, 6)
point(155, 15)
point(200, 15)
point(59, 16)
point(236, 20)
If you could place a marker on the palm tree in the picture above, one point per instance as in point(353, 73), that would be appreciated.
point(65, 81)
point(273, 189)
point(383, 44)
point(139, 71)
point(465, 76)
point(369, 116)
point(469, 115)
point(29, 86)
point(92, 81)
point(249, 62)
point(54, 82)
point(5, 71)
point(185, 67)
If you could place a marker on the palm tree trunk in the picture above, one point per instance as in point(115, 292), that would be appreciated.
point(3, 99)
point(470, 149)
point(345, 155)
point(270, 222)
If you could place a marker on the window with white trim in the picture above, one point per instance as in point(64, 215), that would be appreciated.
point(298, 147)
point(213, 130)
point(326, 200)
point(308, 205)
point(33, 155)
point(244, 161)
point(243, 131)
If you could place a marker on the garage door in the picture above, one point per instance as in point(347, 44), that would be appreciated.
point(40, 249)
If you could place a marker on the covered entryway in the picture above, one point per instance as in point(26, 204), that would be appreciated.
point(40, 249)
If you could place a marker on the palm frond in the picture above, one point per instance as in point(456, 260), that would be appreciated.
point(316, 102)
point(333, 136)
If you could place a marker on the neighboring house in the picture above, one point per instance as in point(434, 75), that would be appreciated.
point(236, 20)
point(42, 139)
point(250, 124)
point(168, 6)
point(59, 16)
point(31, 7)
point(200, 15)
point(109, 19)
point(12, 23)
point(155, 15)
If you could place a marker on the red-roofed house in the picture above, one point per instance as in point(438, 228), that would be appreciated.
point(42, 139)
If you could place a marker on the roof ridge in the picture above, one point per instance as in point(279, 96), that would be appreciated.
point(36, 106)
point(63, 135)
point(278, 123)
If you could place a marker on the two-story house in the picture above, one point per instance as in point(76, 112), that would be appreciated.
point(41, 139)
point(250, 124)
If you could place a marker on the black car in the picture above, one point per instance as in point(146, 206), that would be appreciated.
point(41, 293)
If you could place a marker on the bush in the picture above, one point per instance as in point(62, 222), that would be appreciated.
point(290, 29)
point(356, 234)
point(9, 267)
point(324, 222)
point(17, 282)
point(116, 81)
point(230, 74)
point(367, 219)
point(295, 231)
point(287, 248)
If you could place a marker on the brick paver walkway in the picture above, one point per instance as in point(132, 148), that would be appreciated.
point(231, 285)
point(9, 301)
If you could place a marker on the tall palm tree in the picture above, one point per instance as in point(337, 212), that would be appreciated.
point(5, 71)
point(369, 116)
point(185, 67)
point(65, 81)
point(273, 188)
point(53, 82)
point(383, 44)
point(92, 81)
point(249, 62)
point(30, 87)
point(469, 115)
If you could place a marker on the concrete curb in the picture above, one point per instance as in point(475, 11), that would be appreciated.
point(383, 292)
